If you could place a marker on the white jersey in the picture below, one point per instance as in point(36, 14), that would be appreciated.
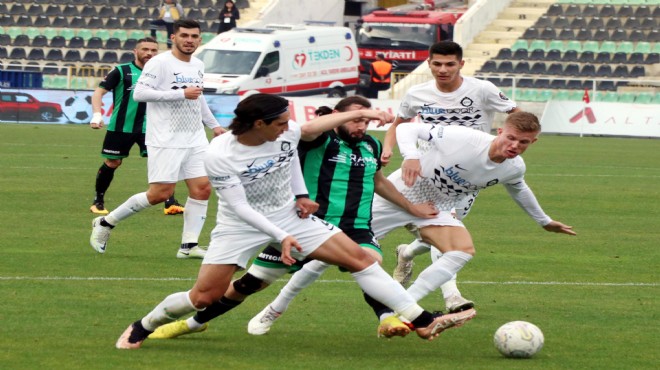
point(472, 105)
point(264, 171)
point(457, 166)
point(174, 121)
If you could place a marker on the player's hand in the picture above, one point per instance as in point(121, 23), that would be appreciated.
point(385, 156)
point(410, 170)
point(288, 243)
point(217, 131)
point(558, 227)
point(381, 117)
point(424, 210)
point(97, 121)
point(306, 207)
point(192, 92)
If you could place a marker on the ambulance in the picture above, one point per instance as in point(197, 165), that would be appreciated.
point(288, 60)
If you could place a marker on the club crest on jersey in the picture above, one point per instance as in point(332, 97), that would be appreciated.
point(503, 97)
point(466, 102)
point(286, 146)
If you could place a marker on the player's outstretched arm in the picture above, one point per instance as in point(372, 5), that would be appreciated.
point(558, 227)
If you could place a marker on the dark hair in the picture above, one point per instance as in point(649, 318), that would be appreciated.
point(256, 107)
point(186, 23)
point(323, 110)
point(446, 48)
point(350, 100)
point(523, 121)
point(146, 39)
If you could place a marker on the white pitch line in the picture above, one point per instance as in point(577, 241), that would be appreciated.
point(103, 278)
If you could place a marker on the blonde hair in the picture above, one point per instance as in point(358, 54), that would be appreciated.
point(523, 121)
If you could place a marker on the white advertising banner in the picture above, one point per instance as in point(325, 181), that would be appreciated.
point(611, 119)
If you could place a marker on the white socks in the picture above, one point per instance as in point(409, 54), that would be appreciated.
point(440, 272)
point(299, 281)
point(449, 289)
point(171, 308)
point(133, 205)
point(193, 219)
point(380, 286)
point(415, 248)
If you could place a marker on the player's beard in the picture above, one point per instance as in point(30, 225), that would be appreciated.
point(346, 136)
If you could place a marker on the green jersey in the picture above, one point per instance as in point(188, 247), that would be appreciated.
point(127, 115)
point(340, 177)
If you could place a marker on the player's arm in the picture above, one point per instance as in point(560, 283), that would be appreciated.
point(390, 140)
point(389, 192)
point(314, 128)
point(208, 119)
point(97, 108)
point(147, 88)
point(407, 135)
point(525, 198)
point(305, 206)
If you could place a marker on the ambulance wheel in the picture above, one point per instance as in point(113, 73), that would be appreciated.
point(337, 92)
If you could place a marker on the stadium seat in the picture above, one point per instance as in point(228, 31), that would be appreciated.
point(571, 69)
point(609, 46)
point(76, 42)
point(36, 54)
point(544, 95)
point(53, 10)
point(575, 95)
point(490, 66)
point(613, 23)
point(194, 13)
point(23, 21)
point(558, 84)
point(106, 12)
point(505, 67)
point(642, 11)
point(520, 44)
point(3, 8)
point(32, 67)
point(60, 22)
point(14, 31)
point(17, 53)
point(559, 22)
point(548, 33)
point(91, 56)
point(113, 43)
point(596, 23)
point(652, 58)
point(123, 12)
point(110, 57)
point(5, 39)
point(21, 40)
point(537, 54)
point(129, 44)
point(119, 34)
point(17, 9)
point(70, 10)
point(570, 56)
point(649, 23)
point(530, 34)
point(610, 97)
point(637, 71)
point(607, 11)
point(555, 69)
point(636, 58)
point(583, 34)
point(588, 70)
point(573, 45)
point(57, 42)
point(538, 68)
point(632, 23)
point(525, 83)
point(644, 98)
point(6, 20)
point(142, 12)
point(537, 44)
point(49, 32)
point(103, 34)
point(520, 54)
point(126, 57)
point(88, 11)
point(39, 41)
point(572, 10)
point(94, 43)
point(566, 34)
point(621, 71)
point(521, 67)
point(589, 10)
point(505, 53)
point(578, 22)
point(54, 54)
point(136, 34)
point(601, 34)
point(555, 10)
point(95, 23)
point(553, 55)
point(130, 23)
point(86, 34)
point(72, 56)
point(625, 11)
point(619, 58)
point(654, 35)
point(636, 35)
point(604, 70)
point(591, 46)
point(626, 97)
point(561, 95)
point(113, 23)
point(618, 35)
point(626, 47)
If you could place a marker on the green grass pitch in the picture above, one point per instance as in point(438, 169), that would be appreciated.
point(595, 296)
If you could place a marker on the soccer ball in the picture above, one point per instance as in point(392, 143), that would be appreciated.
point(78, 109)
point(518, 339)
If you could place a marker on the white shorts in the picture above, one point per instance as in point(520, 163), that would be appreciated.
point(237, 243)
point(387, 217)
point(170, 165)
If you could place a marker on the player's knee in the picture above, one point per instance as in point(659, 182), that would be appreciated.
point(200, 192)
point(248, 284)
point(113, 163)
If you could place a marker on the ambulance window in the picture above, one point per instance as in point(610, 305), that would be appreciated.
point(272, 61)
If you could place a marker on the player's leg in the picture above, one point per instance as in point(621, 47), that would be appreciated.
point(456, 244)
point(211, 284)
point(116, 146)
point(199, 191)
point(454, 300)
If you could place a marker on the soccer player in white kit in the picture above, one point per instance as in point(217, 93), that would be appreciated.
point(460, 162)
point(171, 84)
point(262, 198)
point(450, 99)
